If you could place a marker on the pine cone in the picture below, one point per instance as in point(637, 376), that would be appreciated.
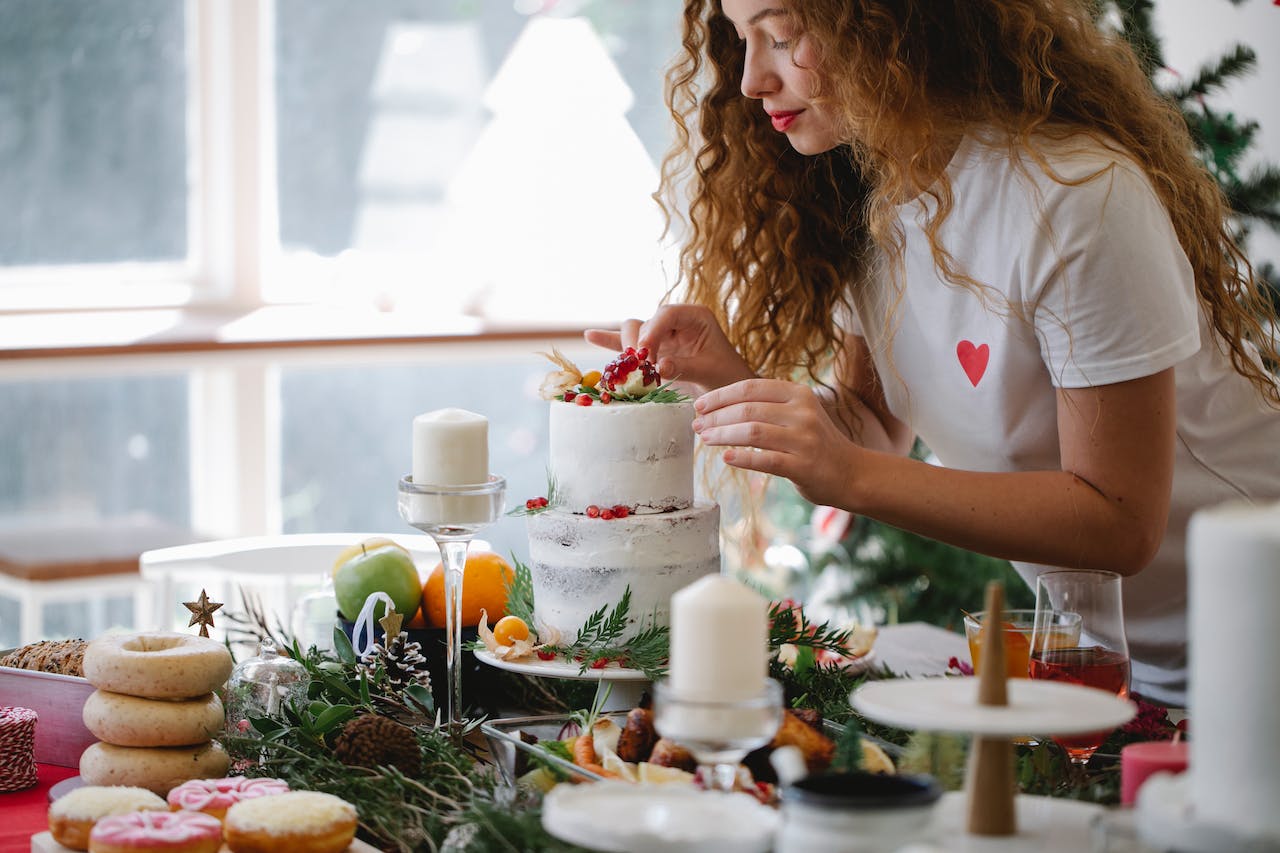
point(375, 741)
point(402, 660)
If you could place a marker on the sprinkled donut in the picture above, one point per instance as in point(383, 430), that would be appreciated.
point(156, 832)
point(300, 820)
point(215, 796)
point(157, 664)
point(72, 816)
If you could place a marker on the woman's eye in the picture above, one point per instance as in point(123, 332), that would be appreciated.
point(779, 45)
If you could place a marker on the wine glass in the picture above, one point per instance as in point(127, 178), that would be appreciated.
point(719, 732)
point(452, 515)
point(1101, 656)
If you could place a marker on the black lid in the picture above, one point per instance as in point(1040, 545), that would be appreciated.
point(863, 791)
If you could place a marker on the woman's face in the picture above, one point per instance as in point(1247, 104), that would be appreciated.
point(779, 73)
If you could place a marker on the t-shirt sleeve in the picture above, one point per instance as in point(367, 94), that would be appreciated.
point(1113, 292)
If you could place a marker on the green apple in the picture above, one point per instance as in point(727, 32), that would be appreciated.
point(376, 565)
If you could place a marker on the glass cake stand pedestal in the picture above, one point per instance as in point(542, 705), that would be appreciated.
point(1043, 824)
point(625, 686)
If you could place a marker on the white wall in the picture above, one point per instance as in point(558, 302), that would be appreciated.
point(1196, 32)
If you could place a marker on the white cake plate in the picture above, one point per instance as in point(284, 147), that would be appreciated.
point(626, 686)
point(1045, 825)
point(623, 818)
point(951, 705)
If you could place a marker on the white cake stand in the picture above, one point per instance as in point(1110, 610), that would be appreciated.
point(626, 686)
point(1045, 824)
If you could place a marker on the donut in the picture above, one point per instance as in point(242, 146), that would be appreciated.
point(74, 813)
point(131, 721)
point(158, 769)
point(215, 796)
point(156, 832)
point(157, 664)
point(300, 820)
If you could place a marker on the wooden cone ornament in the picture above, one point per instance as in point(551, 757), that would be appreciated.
point(990, 775)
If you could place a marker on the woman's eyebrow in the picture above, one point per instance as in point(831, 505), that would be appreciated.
point(765, 13)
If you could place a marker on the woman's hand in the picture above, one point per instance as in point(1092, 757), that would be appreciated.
point(685, 343)
point(780, 428)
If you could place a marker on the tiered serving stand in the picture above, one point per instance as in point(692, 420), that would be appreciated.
point(988, 815)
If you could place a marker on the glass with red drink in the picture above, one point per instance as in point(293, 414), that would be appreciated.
point(1100, 659)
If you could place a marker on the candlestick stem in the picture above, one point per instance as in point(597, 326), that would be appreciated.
point(453, 555)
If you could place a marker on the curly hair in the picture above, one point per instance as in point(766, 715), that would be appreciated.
point(776, 242)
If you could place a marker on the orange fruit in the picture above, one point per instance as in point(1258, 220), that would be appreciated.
point(484, 587)
point(509, 629)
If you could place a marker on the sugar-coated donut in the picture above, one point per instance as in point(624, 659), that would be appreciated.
point(132, 721)
point(74, 813)
point(157, 664)
point(301, 820)
point(158, 769)
point(215, 796)
point(156, 832)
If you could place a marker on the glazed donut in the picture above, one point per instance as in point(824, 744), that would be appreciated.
point(156, 832)
point(158, 769)
point(301, 820)
point(157, 664)
point(74, 813)
point(130, 721)
point(215, 796)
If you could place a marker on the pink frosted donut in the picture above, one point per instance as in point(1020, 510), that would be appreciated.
point(156, 832)
point(215, 796)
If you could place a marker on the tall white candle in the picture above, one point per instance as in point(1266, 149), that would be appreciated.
point(450, 448)
point(1233, 554)
point(719, 640)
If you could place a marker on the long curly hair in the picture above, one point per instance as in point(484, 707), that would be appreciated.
point(775, 243)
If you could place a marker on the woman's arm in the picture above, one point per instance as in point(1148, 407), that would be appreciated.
point(1106, 508)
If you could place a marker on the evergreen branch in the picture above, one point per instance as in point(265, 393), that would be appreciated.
point(789, 625)
point(1210, 78)
point(520, 592)
point(606, 624)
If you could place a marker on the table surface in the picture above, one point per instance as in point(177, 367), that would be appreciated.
point(26, 812)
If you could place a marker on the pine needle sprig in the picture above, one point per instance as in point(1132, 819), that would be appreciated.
point(520, 592)
point(789, 625)
point(606, 625)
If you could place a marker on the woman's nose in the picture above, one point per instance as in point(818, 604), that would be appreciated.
point(758, 79)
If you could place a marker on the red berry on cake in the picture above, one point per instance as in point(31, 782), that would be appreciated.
point(606, 514)
point(621, 511)
point(593, 511)
point(643, 353)
point(583, 400)
point(569, 395)
point(630, 374)
point(605, 397)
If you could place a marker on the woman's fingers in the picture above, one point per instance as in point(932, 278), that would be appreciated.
point(746, 391)
point(607, 338)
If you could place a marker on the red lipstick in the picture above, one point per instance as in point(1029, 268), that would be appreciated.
point(783, 119)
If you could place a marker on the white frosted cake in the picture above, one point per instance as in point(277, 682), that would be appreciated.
point(605, 456)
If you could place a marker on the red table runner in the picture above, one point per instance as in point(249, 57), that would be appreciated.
point(25, 813)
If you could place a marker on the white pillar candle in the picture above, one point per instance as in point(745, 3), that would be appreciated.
point(450, 448)
point(719, 640)
point(1233, 555)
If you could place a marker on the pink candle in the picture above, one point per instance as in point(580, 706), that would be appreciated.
point(1140, 760)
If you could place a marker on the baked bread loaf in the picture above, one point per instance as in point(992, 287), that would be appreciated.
point(63, 657)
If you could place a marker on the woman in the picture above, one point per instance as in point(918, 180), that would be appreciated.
point(971, 221)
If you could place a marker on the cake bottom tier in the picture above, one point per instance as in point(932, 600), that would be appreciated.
point(580, 564)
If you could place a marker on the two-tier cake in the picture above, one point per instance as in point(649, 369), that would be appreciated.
point(623, 515)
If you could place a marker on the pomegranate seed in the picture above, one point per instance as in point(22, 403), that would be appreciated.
point(569, 395)
point(643, 353)
point(531, 503)
point(583, 400)
point(606, 514)
point(544, 655)
point(593, 511)
point(605, 397)
point(630, 350)
point(542, 501)
point(621, 511)
point(599, 663)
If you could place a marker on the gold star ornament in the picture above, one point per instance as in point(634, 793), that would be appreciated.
point(390, 626)
point(202, 612)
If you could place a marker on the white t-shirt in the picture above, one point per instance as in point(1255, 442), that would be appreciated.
point(1101, 292)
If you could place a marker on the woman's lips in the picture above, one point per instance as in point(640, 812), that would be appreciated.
point(782, 119)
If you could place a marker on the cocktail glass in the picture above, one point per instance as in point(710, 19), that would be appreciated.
point(719, 732)
point(452, 515)
point(1100, 658)
point(1062, 631)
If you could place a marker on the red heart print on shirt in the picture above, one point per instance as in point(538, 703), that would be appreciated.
point(973, 359)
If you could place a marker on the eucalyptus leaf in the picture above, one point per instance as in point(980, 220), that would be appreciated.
point(342, 647)
point(332, 717)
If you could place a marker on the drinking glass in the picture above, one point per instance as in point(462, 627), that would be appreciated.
point(1063, 632)
point(718, 732)
point(1100, 658)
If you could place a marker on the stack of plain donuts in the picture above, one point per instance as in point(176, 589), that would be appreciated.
point(155, 710)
